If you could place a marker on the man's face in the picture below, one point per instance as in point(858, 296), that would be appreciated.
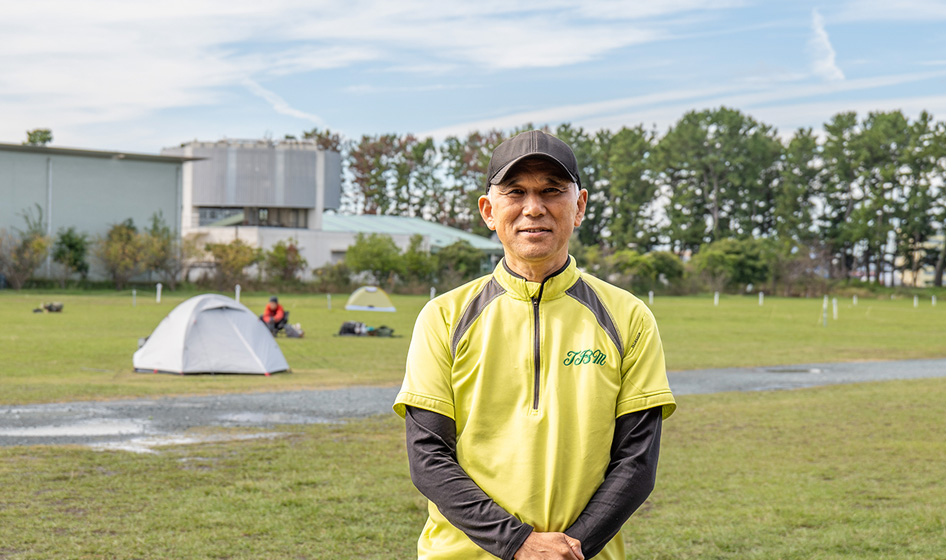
point(534, 212)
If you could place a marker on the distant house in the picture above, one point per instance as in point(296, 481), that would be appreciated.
point(87, 189)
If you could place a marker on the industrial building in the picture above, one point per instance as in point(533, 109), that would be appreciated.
point(259, 191)
point(86, 189)
point(264, 192)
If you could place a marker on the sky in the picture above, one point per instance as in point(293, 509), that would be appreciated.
point(138, 76)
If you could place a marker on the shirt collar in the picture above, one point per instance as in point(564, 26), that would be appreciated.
point(552, 287)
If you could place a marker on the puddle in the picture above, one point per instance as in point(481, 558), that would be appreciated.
point(148, 444)
point(257, 418)
point(82, 429)
point(794, 370)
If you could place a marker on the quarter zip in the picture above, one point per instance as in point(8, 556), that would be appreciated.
point(536, 347)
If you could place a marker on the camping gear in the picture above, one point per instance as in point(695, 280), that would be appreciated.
point(294, 330)
point(357, 328)
point(210, 333)
point(369, 298)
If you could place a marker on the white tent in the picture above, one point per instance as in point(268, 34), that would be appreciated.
point(211, 333)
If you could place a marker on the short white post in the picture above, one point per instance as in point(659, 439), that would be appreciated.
point(433, 292)
point(236, 291)
point(716, 299)
point(834, 303)
point(855, 300)
point(650, 296)
point(824, 311)
point(328, 298)
point(157, 293)
point(916, 301)
point(934, 301)
point(134, 298)
point(761, 298)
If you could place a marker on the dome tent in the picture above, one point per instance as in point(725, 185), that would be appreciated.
point(210, 333)
point(369, 298)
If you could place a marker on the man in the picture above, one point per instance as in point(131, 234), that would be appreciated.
point(274, 316)
point(533, 397)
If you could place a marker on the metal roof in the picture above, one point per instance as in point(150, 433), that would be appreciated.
point(93, 153)
point(440, 235)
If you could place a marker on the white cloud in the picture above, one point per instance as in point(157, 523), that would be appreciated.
point(822, 53)
point(279, 104)
point(72, 64)
point(764, 103)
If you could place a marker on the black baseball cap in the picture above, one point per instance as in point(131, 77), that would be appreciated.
point(533, 143)
point(274, 299)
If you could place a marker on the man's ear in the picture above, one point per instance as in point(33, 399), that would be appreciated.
point(486, 211)
point(582, 203)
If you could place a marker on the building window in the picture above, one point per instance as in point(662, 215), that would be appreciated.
point(211, 216)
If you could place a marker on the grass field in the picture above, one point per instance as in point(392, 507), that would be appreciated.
point(85, 351)
point(844, 472)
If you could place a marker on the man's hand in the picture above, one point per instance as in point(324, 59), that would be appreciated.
point(550, 546)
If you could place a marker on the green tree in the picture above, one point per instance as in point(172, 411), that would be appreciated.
point(719, 167)
point(667, 266)
point(326, 139)
point(464, 163)
point(916, 213)
point(121, 252)
point(799, 186)
point(283, 262)
point(70, 250)
point(458, 262)
point(591, 152)
point(371, 164)
point(377, 255)
point(419, 265)
point(38, 137)
point(631, 190)
point(231, 261)
point(839, 193)
point(634, 270)
point(23, 251)
point(881, 157)
point(732, 263)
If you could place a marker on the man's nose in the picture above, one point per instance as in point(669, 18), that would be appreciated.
point(533, 205)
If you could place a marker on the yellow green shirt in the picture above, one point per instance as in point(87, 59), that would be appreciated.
point(534, 375)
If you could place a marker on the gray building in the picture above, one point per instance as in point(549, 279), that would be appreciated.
point(88, 190)
point(284, 184)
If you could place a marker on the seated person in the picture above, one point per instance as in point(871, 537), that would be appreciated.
point(274, 316)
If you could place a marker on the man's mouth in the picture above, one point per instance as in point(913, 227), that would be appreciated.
point(534, 230)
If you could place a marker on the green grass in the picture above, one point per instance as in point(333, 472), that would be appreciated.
point(844, 472)
point(85, 351)
point(791, 331)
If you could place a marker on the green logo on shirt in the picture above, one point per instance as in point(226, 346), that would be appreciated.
point(581, 357)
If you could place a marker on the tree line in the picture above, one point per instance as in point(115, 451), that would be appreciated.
point(127, 252)
point(859, 199)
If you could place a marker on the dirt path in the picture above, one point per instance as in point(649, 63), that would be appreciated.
point(142, 425)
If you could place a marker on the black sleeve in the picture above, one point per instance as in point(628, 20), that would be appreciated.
point(629, 480)
point(431, 451)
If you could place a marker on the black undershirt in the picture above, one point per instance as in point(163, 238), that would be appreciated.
point(629, 479)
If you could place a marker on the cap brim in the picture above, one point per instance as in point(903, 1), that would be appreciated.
point(501, 174)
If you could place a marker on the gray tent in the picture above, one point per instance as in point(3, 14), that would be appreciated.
point(211, 333)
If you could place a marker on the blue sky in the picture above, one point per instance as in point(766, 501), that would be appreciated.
point(141, 75)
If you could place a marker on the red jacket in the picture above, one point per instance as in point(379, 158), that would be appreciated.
point(270, 314)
